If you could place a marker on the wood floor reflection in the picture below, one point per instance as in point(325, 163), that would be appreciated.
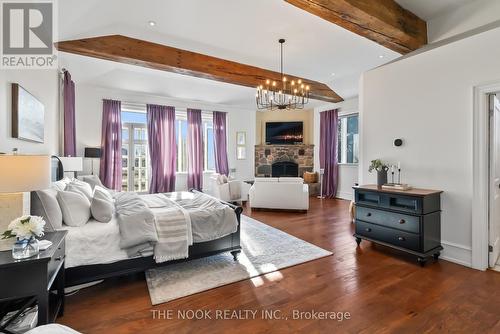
point(383, 291)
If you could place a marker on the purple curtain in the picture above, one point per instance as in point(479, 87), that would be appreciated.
point(69, 115)
point(195, 149)
point(328, 151)
point(220, 143)
point(162, 148)
point(111, 145)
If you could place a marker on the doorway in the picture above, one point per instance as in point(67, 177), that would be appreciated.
point(494, 182)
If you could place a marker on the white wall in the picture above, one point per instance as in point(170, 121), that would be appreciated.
point(89, 117)
point(473, 14)
point(427, 100)
point(43, 84)
point(348, 173)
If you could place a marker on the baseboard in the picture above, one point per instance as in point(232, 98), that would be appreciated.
point(345, 195)
point(456, 253)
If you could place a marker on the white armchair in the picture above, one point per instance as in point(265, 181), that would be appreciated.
point(229, 190)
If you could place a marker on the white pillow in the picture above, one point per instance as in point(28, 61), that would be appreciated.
point(102, 210)
point(102, 193)
point(102, 206)
point(44, 203)
point(93, 180)
point(81, 187)
point(75, 208)
point(61, 184)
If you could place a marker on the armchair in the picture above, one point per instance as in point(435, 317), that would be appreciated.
point(229, 190)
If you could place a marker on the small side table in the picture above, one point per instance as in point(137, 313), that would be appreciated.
point(40, 277)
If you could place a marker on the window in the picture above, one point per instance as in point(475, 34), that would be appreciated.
point(181, 134)
point(208, 140)
point(181, 130)
point(348, 139)
point(135, 150)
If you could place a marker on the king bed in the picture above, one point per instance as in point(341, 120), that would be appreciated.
point(97, 250)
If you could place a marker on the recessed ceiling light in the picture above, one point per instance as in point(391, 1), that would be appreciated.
point(333, 74)
point(152, 23)
point(381, 56)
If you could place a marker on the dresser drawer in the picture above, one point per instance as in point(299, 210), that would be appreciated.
point(390, 219)
point(368, 198)
point(56, 260)
point(388, 235)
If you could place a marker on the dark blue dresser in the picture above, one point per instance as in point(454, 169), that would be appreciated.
point(409, 221)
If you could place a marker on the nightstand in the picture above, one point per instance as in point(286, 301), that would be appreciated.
point(40, 277)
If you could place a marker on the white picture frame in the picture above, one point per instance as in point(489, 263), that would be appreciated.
point(241, 138)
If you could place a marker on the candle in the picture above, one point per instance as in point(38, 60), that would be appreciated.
point(399, 164)
point(392, 168)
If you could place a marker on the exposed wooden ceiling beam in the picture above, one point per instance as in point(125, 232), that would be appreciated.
point(382, 21)
point(133, 51)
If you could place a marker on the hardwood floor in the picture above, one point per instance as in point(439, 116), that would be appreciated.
point(383, 290)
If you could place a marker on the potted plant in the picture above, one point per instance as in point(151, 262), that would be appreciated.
point(25, 229)
point(381, 168)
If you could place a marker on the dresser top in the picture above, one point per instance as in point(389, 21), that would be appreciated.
point(410, 192)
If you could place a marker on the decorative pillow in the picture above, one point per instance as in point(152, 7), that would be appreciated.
point(44, 203)
point(80, 187)
point(102, 193)
point(102, 210)
point(75, 208)
point(93, 180)
point(219, 180)
point(61, 184)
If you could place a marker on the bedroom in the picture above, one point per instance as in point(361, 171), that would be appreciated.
point(277, 258)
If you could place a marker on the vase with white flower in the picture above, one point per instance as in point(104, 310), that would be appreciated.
point(25, 229)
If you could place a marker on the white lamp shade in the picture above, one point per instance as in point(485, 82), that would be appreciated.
point(72, 164)
point(22, 173)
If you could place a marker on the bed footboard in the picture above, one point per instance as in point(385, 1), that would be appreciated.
point(85, 274)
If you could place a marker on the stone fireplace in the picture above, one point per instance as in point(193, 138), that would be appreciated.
point(283, 160)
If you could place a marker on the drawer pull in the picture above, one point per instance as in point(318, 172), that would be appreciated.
point(369, 214)
point(368, 229)
point(401, 238)
point(59, 258)
point(402, 221)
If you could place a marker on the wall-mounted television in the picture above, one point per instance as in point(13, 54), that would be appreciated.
point(284, 133)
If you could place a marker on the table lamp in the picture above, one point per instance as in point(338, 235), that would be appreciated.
point(20, 174)
point(72, 164)
point(92, 153)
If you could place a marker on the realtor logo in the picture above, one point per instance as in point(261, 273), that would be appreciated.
point(27, 34)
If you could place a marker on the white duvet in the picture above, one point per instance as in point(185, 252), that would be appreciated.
point(99, 243)
point(93, 243)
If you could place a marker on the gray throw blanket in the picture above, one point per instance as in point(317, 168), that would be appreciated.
point(135, 220)
point(173, 226)
point(153, 220)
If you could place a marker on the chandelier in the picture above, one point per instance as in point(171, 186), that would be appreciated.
point(282, 95)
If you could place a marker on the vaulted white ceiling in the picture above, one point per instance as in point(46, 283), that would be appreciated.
point(245, 31)
point(430, 9)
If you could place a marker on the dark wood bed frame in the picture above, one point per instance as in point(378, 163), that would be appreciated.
point(95, 272)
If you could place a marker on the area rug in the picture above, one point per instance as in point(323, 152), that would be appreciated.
point(265, 251)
